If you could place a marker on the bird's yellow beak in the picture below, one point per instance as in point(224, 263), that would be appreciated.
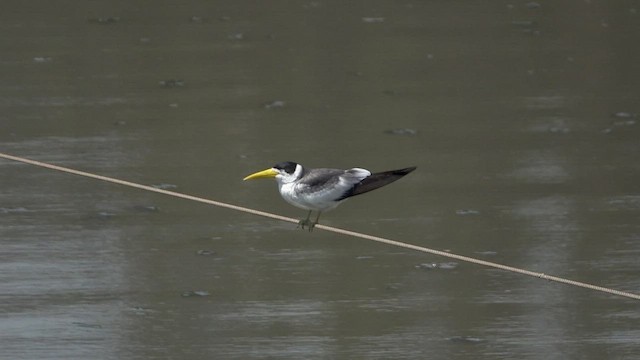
point(269, 173)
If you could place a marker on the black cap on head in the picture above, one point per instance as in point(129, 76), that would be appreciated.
point(288, 166)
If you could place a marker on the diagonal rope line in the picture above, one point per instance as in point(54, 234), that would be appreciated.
point(327, 228)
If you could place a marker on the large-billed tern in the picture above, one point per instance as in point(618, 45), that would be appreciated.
point(323, 189)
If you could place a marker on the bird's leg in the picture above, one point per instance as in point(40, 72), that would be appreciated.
point(306, 222)
point(313, 224)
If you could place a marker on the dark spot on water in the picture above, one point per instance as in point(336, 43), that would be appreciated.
point(146, 208)
point(276, 104)
point(627, 122)
point(86, 325)
point(197, 19)
point(402, 132)
point(448, 265)
point(106, 215)
point(312, 5)
point(526, 26)
point(236, 36)
point(392, 287)
point(372, 20)
point(623, 115)
point(139, 310)
point(532, 5)
point(465, 340)
point(171, 83)
point(434, 266)
point(427, 266)
point(42, 59)
point(467, 212)
point(204, 252)
point(109, 20)
point(523, 23)
point(559, 130)
point(195, 293)
point(16, 210)
point(623, 119)
point(487, 253)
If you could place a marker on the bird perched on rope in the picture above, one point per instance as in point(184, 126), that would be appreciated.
point(323, 189)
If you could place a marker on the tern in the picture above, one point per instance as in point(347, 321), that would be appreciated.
point(323, 189)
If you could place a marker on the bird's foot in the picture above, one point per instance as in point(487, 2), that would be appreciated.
point(306, 222)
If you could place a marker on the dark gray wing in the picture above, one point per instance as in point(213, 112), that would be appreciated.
point(320, 178)
point(330, 184)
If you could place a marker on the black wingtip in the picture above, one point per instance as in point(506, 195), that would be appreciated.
point(405, 171)
point(377, 180)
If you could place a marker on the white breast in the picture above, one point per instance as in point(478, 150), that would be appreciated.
point(321, 198)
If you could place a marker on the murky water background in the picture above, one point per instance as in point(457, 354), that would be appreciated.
point(521, 117)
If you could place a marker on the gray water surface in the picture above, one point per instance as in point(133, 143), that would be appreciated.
point(521, 116)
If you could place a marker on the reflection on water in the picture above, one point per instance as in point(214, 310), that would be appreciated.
point(521, 117)
point(541, 167)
